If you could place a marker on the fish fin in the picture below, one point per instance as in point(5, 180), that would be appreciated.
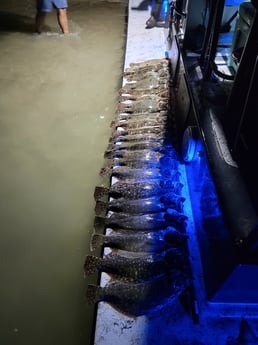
point(97, 240)
point(178, 187)
point(91, 265)
point(173, 214)
point(100, 192)
point(174, 236)
point(101, 208)
point(93, 293)
point(99, 224)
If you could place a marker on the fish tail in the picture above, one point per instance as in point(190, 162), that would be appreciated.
point(94, 293)
point(97, 241)
point(100, 208)
point(99, 224)
point(105, 171)
point(100, 192)
point(91, 265)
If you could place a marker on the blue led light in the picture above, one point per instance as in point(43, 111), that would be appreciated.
point(165, 6)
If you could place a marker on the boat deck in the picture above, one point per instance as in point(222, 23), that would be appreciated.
point(173, 324)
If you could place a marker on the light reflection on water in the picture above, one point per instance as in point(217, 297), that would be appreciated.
point(57, 98)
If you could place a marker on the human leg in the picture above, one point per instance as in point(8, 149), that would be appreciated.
point(61, 10)
point(40, 21)
point(43, 6)
point(157, 9)
point(155, 13)
point(62, 20)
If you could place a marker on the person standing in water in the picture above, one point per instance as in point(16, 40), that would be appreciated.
point(46, 6)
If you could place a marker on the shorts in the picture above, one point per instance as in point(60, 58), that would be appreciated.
point(48, 5)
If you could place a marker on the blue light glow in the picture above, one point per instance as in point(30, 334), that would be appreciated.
point(213, 239)
point(165, 7)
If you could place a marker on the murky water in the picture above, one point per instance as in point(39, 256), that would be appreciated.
point(57, 98)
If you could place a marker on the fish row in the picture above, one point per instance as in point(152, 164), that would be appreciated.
point(139, 217)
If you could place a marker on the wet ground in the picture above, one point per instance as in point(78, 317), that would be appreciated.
point(57, 97)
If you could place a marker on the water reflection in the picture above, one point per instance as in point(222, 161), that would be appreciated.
point(57, 98)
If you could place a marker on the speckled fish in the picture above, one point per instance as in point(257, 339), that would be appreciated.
point(162, 75)
point(139, 128)
point(145, 149)
point(152, 130)
point(138, 73)
point(137, 299)
point(140, 105)
point(153, 154)
point(135, 74)
point(141, 206)
point(142, 162)
point(125, 173)
point(150, 84)
point(142, 145)
point(117, 138)
point(144, 90)
point(148, 64)
point(138, 222)
point(131, 96)
point(162, 69)
point(138, 189)
point(142, 241)
point(135, 146)
point(122, 117)
point(135, 266)
point(136, 123)
point(145, 154)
